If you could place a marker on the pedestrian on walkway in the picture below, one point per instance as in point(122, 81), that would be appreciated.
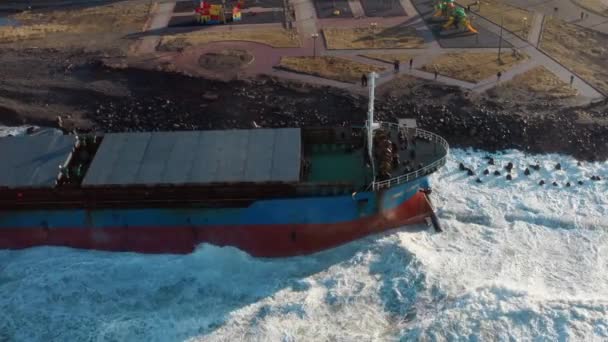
point(396, 65)
point(364, 80)
point(411, 63)
point(436, 73)
point(498, 75)
point(571, 80)
point(582, 15)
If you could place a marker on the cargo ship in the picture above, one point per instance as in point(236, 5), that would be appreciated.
point(270, 192)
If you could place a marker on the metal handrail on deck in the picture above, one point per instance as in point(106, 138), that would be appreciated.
point(428, 169)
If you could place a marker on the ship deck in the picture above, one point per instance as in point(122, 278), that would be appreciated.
point(334, 163)
point(220, 168)
point(342, 162)
point(426, 152)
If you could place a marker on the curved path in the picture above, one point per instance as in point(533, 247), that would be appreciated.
point(267, 57)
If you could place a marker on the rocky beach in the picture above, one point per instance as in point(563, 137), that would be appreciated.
point(90, 95)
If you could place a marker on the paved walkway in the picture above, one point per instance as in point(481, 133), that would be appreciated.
point(536, 29)
point(266, 57)
point(584, 88)
point(160, 19)
point(419, 23)
point(306, 17)
point(356, 8)
point(568, 10)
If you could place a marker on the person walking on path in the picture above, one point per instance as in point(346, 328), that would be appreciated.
point(498, 75)
point(364, 80)
point(411, 63)
point(436, 72)
point(396, 65)
point(571, 80)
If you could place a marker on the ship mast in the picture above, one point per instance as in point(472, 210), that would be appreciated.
point(370, 122)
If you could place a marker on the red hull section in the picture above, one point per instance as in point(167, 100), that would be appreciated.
point(258, 240)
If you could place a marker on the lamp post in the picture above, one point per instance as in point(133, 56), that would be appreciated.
point(372, 27)
point(500, 39)
point(314, 44)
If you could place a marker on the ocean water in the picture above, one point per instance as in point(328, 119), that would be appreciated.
point(516, 262)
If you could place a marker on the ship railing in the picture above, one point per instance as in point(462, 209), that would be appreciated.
point(428, 169)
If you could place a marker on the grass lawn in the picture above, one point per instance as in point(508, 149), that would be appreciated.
point(389, 57)
point(540, 81)
point(275, 37)
point(495, 9)
point(363, 38)
point(29, 32)
point(335, 68)
point(472, 67)
point(583, 50)
point(118, 17)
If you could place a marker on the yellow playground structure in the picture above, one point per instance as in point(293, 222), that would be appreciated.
point(210, 14)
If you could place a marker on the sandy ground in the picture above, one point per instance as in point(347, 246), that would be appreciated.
point(583, 50)
point(335, 68)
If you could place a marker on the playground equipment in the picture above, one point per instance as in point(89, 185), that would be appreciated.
point(458, 18)
point(443, 8)
point(209, 14)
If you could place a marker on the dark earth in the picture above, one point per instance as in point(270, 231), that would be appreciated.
point(225, 60)
point(39, 85)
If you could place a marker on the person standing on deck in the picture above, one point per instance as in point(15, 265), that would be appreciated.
point(364, 80)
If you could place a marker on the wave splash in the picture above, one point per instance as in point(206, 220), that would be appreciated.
point(516, 261)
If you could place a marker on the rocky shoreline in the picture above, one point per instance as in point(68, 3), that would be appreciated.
point(126, 99)
point(267, 102)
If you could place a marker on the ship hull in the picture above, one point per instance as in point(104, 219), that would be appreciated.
point(270, 228)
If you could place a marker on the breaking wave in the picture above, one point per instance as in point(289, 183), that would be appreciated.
point(516, 261)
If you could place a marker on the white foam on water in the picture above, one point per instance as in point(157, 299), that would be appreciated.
point(13, 130)
point(516, 261)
